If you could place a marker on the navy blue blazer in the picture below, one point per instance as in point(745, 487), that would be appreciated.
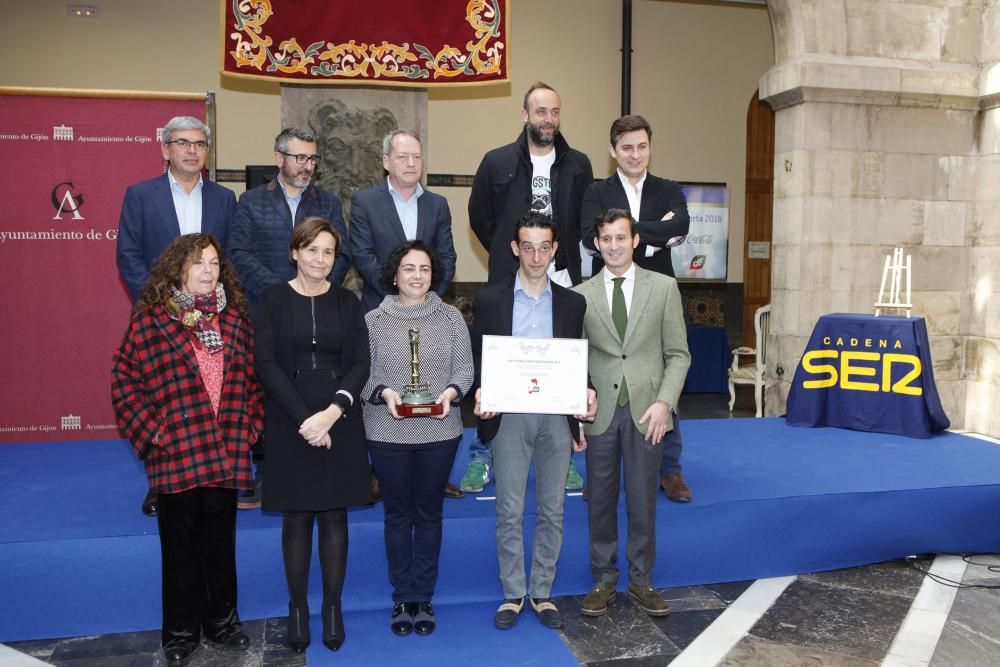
point(262, 232)
point(148, 224)
point(376, 231)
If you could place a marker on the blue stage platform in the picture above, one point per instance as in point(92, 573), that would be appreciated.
point(77, 557)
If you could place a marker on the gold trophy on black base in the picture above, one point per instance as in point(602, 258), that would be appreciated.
point(417, 400)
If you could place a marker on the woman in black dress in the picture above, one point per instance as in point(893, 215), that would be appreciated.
point(312, 358)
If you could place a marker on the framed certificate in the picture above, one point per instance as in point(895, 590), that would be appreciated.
point(534, 375)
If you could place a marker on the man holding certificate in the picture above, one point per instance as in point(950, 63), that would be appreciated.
point(638, 361)
point(535, 311)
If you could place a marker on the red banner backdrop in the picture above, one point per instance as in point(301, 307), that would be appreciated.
point(391, 42)
point(67, 163)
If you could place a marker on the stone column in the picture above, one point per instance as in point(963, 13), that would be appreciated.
point(883, 131)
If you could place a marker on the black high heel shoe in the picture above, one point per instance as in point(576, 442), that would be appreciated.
point(333, 627)
point(298, 629)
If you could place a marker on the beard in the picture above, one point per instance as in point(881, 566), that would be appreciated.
point(539, 139)
point(292, 177)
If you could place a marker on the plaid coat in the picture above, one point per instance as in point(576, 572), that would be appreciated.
point(156, 389)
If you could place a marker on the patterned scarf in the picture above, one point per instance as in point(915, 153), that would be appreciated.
point(196, 312)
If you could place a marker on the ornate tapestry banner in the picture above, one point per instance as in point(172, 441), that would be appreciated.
point(389, 42)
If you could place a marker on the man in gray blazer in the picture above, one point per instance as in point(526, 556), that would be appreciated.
point(638, 361)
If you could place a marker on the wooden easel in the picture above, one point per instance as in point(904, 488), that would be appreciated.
point(893, 271)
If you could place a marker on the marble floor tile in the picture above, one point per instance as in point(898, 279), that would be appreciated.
point(730, 590)
point(757, 652)
point(690, 598)
point(893, 577)
point(683, 627)
point(961, 645)
point(624, 632)
point(846, 621)
point(107, 646)
point(39, 648)
point(918, 635)
point(978, 609)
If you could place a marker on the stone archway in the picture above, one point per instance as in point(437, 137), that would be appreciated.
point(888, 133)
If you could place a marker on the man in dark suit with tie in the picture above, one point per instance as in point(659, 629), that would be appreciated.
point(395, 211)
point(262, 230)
point(529, 304)
point(180, 201)
point(660, 210)
point(157, 211)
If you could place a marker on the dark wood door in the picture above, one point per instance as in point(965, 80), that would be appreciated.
point(758, 207)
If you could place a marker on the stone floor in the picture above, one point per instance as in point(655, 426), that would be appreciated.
point(889, 613)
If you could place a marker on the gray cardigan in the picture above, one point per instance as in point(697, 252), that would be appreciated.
point(445, 359)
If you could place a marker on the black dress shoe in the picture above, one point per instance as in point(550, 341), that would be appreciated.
point(151, 505)
point(423, 620)
point(179, 653)
point(401, 622)
point(333, 627)
point(298, 629)
point(230, 638)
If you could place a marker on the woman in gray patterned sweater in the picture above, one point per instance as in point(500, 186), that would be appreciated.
point(413, 456)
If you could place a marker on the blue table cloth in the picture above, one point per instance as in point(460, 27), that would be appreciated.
point(867, 373)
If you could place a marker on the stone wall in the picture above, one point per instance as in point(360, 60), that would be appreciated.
point(887, 134)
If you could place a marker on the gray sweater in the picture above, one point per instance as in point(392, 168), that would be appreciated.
point(445, 359)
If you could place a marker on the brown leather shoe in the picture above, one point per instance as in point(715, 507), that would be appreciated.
point(452, 491)
point(675, 487)
point(376, 490)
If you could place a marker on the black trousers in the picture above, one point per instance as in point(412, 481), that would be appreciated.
point(198, 549)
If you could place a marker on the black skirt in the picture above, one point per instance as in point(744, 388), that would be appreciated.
point(302, 478)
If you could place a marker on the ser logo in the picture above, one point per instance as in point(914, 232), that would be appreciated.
point(856, 364)
point(65, 202)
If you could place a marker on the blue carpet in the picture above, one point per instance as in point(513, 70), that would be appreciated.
point(77, 557)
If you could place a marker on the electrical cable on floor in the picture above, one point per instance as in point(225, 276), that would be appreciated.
point(944, 581)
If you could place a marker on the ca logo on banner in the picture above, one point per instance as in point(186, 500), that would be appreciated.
point(67, 202)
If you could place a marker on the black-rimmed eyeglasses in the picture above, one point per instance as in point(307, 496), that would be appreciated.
point(302, 159)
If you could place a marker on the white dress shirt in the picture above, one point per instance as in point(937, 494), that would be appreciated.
point(187, 205)
point(628, 286)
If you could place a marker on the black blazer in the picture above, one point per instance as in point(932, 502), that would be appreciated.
point(659, 196)
point(494, 315)
point(275, 350)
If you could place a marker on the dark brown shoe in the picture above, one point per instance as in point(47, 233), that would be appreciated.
point(648, 599)
point(452, 491)
point(675, 487)
point(376, 490)
point(596, 602)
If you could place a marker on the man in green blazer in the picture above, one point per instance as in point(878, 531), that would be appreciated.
point(638, 362)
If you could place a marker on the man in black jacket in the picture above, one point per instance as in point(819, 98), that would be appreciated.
point(538, 172)
point(660, 210)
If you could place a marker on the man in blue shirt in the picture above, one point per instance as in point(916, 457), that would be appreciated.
point(395, 211)
point(529, 304)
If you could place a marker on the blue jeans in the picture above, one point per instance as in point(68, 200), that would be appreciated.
point(480, 451)
point(411, 481)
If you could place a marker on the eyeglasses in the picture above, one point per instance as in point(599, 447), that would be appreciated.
point(184, 144)
point(302, 159)
point(529, 249)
